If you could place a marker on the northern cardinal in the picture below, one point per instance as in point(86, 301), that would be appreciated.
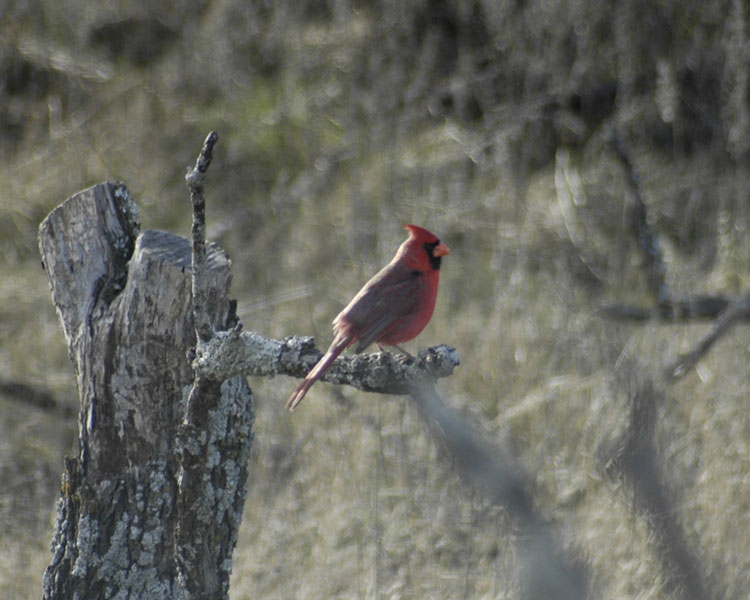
point(393, 307)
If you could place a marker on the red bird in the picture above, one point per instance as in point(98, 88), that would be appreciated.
point(393, 307)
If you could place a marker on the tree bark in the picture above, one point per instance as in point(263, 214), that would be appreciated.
point(127, 524)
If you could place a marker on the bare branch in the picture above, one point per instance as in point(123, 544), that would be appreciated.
point(234, 352)
point(546, 573)
point(633, 459)
point(200, 558)
point(730, 316)
point(195, 180)
point(36, 396)
point(653, 259)
point(695, 308)
point(726, 312)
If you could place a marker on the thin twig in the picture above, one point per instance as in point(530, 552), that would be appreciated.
point(732, 314)
point(194, 436)
point(653, 259)
point(195, 179)
point(234, 352)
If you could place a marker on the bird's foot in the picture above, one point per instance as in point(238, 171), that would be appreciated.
point(404, 357)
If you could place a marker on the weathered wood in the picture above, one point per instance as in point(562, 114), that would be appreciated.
point(203, 505)
point(152, 504)
point(235, 352)
point(124, 300)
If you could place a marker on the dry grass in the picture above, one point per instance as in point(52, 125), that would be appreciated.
point(350, 497)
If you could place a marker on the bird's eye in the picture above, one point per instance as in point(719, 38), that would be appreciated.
point(430, 246)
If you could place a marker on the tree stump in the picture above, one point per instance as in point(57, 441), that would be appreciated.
point(152, 504)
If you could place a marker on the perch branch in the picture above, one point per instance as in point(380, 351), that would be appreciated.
point(236, 352)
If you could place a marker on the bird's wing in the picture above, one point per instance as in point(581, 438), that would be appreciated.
point(392, 296)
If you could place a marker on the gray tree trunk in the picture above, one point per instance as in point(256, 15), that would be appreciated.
point(152, 504)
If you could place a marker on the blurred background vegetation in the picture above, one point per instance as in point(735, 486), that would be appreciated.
point(340, 120)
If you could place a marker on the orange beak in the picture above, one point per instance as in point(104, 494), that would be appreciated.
point(441, 250)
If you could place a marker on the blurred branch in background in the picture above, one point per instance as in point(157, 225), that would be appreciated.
point(570, 195)
point(695, 308)
point(735, 312)
point(633, 458)
point(728, 312)
point(545, 572)
point(635, 206)
point(35, 396)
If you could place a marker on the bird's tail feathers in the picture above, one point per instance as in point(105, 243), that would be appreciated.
point(339, 344)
